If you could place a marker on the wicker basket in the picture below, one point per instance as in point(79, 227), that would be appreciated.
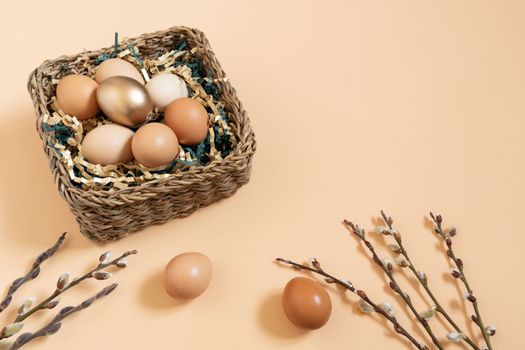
point(109, 215)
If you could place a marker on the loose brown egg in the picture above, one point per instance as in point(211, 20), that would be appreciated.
point(124, 100)
point(108, 144)
point(117, 67)
point(189, 119)
point(155, 145)
point(306, 303)
point(76, 95)
point(187, 275)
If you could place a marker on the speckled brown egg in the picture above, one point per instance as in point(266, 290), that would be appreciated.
point(188, 119)
point(155, 145)
point(187, 275)
point(76, 95)
point(306, 303)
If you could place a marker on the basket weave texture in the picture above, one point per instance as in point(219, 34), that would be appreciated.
point(109, 215)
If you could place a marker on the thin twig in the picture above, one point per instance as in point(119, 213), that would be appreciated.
point(447, 238)
point(32, 273)
point(388, 269)
point(58, 291)
point(423, 280)
point(347, 285)
point(54, 325)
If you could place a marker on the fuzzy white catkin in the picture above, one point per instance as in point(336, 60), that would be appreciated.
point(364, 307)
point(454, 337)
point(387, 307)
point(5, 344)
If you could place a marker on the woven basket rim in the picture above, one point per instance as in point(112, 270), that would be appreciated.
point(96, 52)
point(243, 151)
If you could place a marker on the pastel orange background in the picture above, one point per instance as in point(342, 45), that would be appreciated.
point(357, 106)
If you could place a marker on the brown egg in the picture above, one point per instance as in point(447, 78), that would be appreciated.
point(187, 275)
point(108, 144)
point(189, 119)
point(124, 100)
point(76, 95)
point(117, 67)
point(155, 145)
point(306, 303)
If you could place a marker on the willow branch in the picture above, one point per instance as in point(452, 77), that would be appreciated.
point(447, 238)
point(33, 272)
point(54, 325)
point(61, 289)
point(422, 279)
point(361, 294)
point(389, 271)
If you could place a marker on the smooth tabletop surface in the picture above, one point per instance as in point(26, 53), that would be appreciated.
point(357, 106)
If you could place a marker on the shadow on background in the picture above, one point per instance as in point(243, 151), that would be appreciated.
point(33, 211)
point(273, 320)
point(153, 294)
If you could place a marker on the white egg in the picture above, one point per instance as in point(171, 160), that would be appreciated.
point(166, 88)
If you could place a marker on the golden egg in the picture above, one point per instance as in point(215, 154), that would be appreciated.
point(306, 303)
point(124, 100)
